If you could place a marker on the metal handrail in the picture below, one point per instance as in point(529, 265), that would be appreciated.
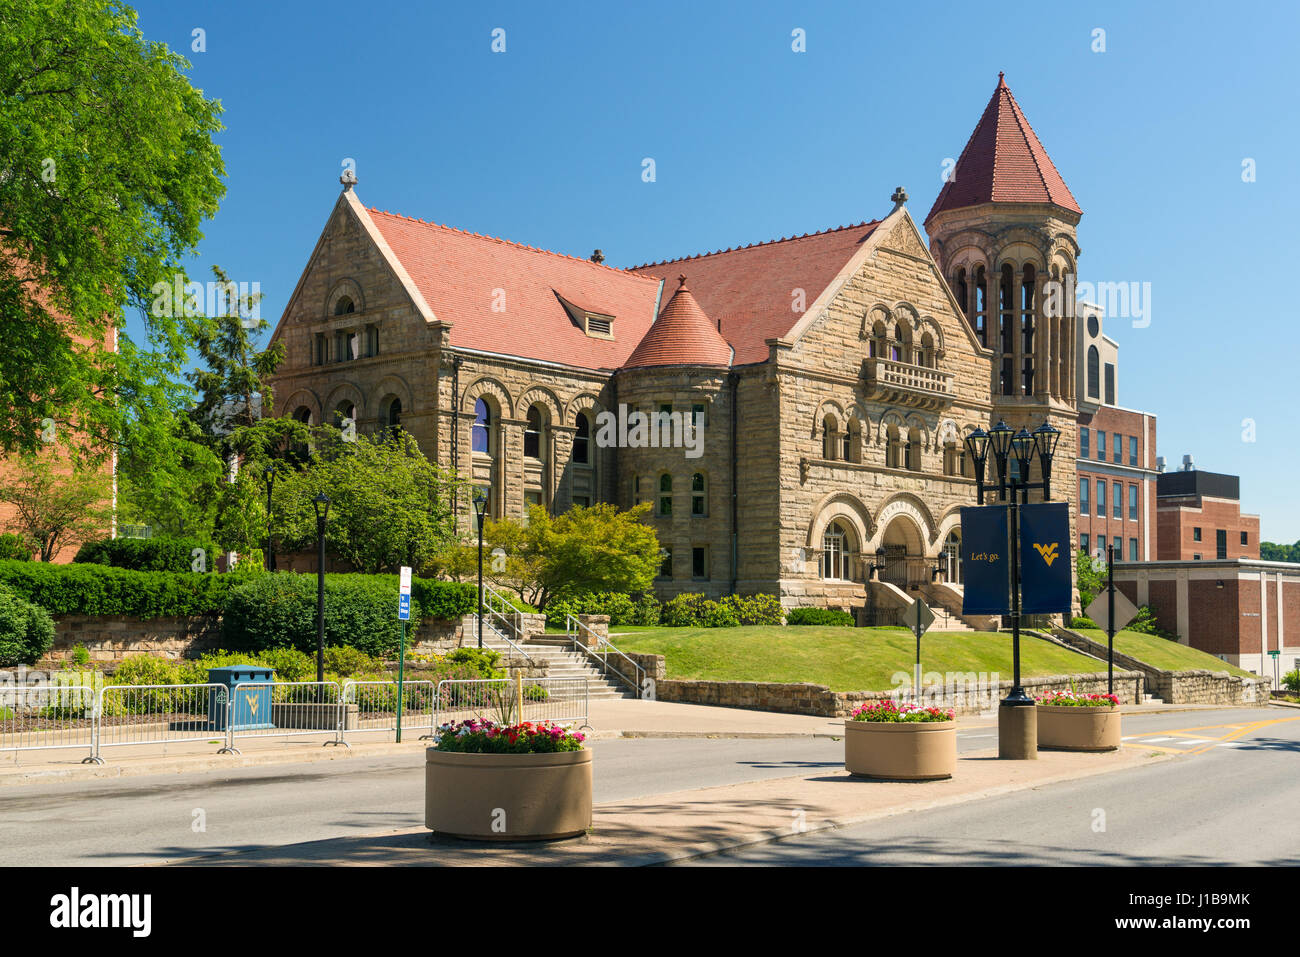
point(603, 653)
point(488, 594)
point(487, 620)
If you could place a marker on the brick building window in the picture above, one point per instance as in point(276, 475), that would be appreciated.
point(1132, 450)
point(1101, 445)
point(582, 441)
point(1119, 545)
point(1220, 543)
point(1084, 450)
point(1083, 544)
point(1101, 498)
point(1084, 486)
point(1110, 383)
point(1117, 450)
point(1196, 533)
point(1245, 538)
point(1117, 500)
point(1133, 502)
point(1094, 372)
point(1132, 549)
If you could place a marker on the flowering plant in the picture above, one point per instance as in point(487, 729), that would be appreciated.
point(1068, 699)
point(907, 711)
point(485, 737)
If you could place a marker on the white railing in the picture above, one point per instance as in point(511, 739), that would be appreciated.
point(375, 704)
point(39, 711)
point(599, 648)
point(901, 375)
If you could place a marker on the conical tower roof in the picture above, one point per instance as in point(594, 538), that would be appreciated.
point(682, 336)
point(1003, 162)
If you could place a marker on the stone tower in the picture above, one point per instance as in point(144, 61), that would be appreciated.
point(1003, 231)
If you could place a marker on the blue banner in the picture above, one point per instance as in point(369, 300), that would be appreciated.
point(985, 561)
point(1046, 559)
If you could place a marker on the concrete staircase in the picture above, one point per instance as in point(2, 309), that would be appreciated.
point(944, 620)
point(562, 661)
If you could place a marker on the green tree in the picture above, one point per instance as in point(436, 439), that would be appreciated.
point(596, 549)
point(107, 171)
point(1091, 576)
point(55, 505)
point(1272, 552)
point(389, 505)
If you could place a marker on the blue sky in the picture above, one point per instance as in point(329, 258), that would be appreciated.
point(544, 143)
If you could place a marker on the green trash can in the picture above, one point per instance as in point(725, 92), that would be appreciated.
point(251, 706)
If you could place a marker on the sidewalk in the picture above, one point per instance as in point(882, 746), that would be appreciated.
point(610, 718)
point(663, 828)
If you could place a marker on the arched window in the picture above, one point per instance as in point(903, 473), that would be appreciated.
point(481, 433)
point(1094, 373)
point(534, 437)
point(927, 357)
point(302, 414)
point(961, 289)
point(981, 306)
point(582, 441)
point(665, 494)
point(301, 450)
point(393, 415)
point(699, 495)
point(853, 442)
point(1027, 327)
point(951, 465)
point(913, 450)
point(877, 346)
point(951, 564)
point(830, 430)
point(345, 415)
point(835, 553)
point(892, 448)
point(898, 344)
point(343, 306)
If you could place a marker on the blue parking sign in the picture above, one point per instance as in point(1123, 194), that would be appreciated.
point(404, 607)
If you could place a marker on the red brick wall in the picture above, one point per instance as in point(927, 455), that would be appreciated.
point(1214, 614)
point(1176, 522)
point(1123, 423)
point(1163, 599)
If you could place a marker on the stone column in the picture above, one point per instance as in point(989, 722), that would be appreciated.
point(559, 497)
point(510, 468)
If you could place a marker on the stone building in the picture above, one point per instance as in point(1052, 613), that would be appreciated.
point(832, 376)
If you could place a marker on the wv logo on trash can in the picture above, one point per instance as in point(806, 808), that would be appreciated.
point(250, 699)
point(1047, 551)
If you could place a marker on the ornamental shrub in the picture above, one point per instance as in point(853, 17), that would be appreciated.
point(162, 554)
point(15, 548)
point(1291, 680)
point(26, 630)
point(1082, 621)
point(687, 610)
point(91, 589)
point(755, 609)
point(819, 616)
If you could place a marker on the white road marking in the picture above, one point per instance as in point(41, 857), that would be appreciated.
point(1198, 741)
point(1154, 740)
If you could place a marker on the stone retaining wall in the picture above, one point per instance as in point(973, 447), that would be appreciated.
point(1200, 686)
point(821, 701)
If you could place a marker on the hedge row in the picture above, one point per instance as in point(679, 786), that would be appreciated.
point(150, 554)
point(92, 589)
point(26, 630)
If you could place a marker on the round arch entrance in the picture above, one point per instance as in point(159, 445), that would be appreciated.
point(904, 561)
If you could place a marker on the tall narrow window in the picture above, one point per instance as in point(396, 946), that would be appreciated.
point(1132, 450)
point(1027, 327)
point(829, 433)
point(926, 357)
point(1117, 500)
point(981, 306)
point(393, 415)
point(322, 348)
point(1007, 326)
point(700, 562)
point(533, 433)
point(897, 346)
point(962, 290)
point(1133, 502)
point(1084, 451)
point(878, 340)
point(1132, 549)
point(481, 434)
point(1101, 498)
point(1084, 485)
point(1094, 373)
point(835, 553)
point(666, 563)
point(582, 441)
point(665, 494)
point(1110, 383)
point(1101, 445)
point(1220, 543)
point(892, 450)
point(1083, 544)
point(699, 495)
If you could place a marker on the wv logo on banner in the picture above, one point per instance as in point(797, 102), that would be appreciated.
point(1045, 566)
point(985, 560)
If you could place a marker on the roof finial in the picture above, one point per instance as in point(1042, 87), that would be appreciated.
point(899, 199)
point(598, 257)
point(1002, 79)
point(681, 280)
point(348, 179)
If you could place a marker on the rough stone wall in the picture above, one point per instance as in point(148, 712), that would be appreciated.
point(1210, 687)
point(819, 700)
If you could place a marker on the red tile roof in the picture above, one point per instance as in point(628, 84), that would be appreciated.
point(458, 273)
point(683, 335)
point(1003, 162)
point(752, 289)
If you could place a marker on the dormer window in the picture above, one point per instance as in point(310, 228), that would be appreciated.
point(600, 327)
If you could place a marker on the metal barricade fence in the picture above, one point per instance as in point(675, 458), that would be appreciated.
point(375, 704)
point(40, 711)
point(159, 714)
point(561, 700)
point(264, 709)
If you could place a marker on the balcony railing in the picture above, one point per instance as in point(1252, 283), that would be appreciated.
point(900, 383)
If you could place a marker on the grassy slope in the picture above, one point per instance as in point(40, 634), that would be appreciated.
point(1163, 653)
point(846, 659)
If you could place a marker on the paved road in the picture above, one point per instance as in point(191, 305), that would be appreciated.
point(1232, 800)
point(149, 819)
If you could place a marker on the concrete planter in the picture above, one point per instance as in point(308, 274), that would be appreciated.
point(901, 750)
point(1064, 728)
point(507, 797)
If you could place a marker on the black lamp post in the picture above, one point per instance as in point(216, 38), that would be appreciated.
point(879, 565)
point(322, 505)
point(269, 474)
point(1024, 446)
point(480, 501)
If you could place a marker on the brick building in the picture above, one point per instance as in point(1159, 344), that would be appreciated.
point(1116, 465)
point(1199, 516)
point(834, 374)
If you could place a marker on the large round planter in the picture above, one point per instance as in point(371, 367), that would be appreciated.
point(1064, 728)
point(508, 797)
point(901, 750)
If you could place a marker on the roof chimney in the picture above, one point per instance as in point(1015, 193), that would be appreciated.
point(1188, 464)
point(598, 257)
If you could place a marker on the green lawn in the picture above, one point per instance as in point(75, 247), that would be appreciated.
point(846, 659)
point(1163, 653)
